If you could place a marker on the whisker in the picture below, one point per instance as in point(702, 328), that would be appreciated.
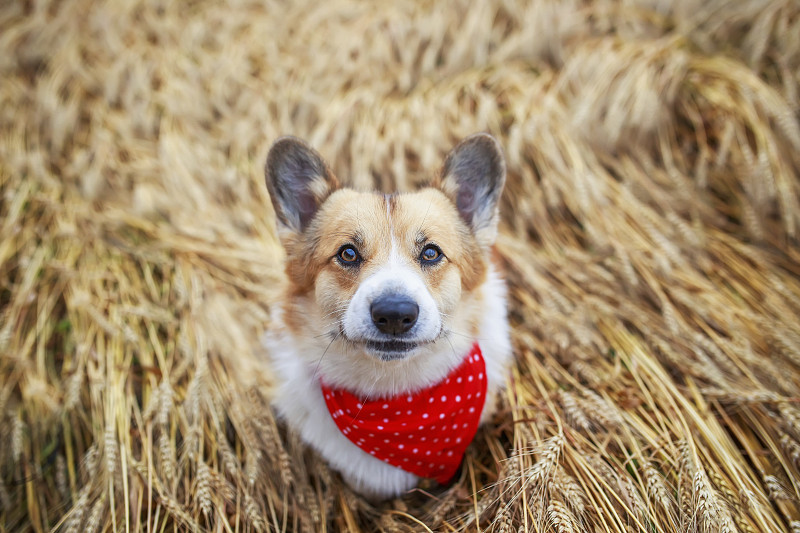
point(467, 335)
point(454, 332)
point(337, 310)
point(364, 399)
point(447, 338)
point(319, 361)
point(329, 329)
point(419, 229)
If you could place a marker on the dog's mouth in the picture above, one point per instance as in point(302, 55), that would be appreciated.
point(385, 349)
point(389, 350)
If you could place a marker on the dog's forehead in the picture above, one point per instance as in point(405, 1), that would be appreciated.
point(427, 212)
point(353, 215)
point(369, 218)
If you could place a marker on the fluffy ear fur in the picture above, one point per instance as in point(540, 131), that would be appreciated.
point(298, 181)
point(473, 176)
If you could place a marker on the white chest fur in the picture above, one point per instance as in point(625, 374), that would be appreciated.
point(299, 401)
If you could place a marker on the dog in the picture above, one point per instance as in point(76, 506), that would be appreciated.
point(391, 340)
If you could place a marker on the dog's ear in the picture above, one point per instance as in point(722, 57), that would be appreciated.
point(473, 176)
point(298, 181)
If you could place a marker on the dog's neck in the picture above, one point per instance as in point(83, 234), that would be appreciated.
point(424, 433)
point(354, 370)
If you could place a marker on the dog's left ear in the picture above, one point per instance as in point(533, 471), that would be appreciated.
point(473, 176)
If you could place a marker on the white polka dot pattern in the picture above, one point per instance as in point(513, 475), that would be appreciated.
point(435, 425)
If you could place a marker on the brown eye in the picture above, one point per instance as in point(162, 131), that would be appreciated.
point(348, 256)
point(431, 254)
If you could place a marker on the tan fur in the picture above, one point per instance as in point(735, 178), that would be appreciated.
point(318, 281)
point(326, 328)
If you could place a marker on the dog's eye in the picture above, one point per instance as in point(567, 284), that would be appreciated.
point(348, 255)
point(431, 254)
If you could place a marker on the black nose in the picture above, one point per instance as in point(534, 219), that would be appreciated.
point(394, 314)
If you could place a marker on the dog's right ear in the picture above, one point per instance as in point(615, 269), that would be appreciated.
point(298, 181)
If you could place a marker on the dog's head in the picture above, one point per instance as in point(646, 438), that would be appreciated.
point(386, 277)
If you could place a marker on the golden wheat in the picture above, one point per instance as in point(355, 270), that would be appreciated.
point(650, 238)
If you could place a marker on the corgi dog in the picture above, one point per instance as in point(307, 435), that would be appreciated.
point(391, 340)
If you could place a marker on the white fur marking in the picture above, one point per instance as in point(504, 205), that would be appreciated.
point(299, 399)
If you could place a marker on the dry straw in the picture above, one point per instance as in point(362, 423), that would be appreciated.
point(650, 235)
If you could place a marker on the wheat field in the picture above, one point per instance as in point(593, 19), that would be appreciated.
point(650, 231)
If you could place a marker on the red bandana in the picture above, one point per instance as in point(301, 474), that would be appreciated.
point(425, 433)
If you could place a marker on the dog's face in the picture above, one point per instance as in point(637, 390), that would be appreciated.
point(386, 277)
